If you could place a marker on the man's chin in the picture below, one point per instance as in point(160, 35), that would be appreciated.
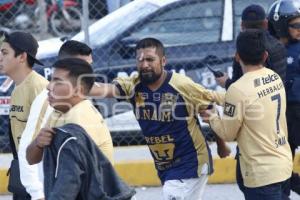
point(147, 80)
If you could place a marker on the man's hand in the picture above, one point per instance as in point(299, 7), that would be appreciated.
point(222, 80)
point(206, 114)
point(44, 138)
point(223, 150)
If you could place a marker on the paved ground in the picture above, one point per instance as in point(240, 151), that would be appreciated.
point(212, 192)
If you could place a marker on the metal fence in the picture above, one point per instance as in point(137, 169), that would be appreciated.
point(196, 33)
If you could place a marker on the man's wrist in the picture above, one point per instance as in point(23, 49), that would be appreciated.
point(37, 145)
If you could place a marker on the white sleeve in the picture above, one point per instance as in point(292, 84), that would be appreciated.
point(32, 176)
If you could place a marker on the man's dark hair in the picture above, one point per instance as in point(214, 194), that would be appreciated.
point(250, 46)
point(30, 60)
point(77, 68)
point(151, 42)
point(73, 48)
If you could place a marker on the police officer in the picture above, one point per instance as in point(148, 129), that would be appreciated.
point(284, 23)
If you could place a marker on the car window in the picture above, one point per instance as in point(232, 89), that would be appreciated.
point(106, 30)
point(185, 23)
point(240, 5)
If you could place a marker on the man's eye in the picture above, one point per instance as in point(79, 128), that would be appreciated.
point(149, 59)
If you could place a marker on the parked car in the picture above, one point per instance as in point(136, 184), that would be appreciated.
point(196, 33)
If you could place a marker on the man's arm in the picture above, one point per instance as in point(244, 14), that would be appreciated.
point(30, 175)
point(227, 126)
point(104, 90)
point(222, 149)
point(34, 152)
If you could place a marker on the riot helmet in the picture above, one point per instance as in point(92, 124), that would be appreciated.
point(280, 13)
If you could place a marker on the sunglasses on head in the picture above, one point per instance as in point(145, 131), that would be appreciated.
point(295, 25)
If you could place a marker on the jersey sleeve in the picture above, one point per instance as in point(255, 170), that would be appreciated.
point(126, 86)
point(228, 126)
point(196, 94)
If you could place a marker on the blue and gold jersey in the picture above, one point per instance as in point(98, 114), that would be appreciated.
point(168, 119)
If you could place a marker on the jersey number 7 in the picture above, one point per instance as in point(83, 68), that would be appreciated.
point(278, 99)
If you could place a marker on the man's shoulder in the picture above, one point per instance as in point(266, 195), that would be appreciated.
point(36, 79)
point(273, 44)
point(242, 85)
point(180, 80)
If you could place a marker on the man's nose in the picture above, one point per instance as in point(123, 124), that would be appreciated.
point(49, 86)
point(144, 64)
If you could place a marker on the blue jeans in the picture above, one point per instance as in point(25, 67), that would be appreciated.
point(273, 191)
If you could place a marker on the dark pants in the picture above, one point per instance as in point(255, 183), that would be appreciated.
point(238, 173)
point(269, 192)
point(293, 119)
point(16, 197)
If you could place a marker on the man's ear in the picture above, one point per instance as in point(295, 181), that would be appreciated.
point(163, 61)
point(79, 91)
point(23, 57)
point(265, 56)
point(237, 57)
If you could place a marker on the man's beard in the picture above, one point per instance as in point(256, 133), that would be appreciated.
point(149, 77)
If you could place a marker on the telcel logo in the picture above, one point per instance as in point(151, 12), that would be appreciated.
point(270, 78)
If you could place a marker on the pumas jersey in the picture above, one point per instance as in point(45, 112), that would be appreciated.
point(168, 119)
point(254, 115)
point(21, 99)
point(88, 117)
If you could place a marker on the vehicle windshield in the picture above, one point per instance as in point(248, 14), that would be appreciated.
point(109, 27)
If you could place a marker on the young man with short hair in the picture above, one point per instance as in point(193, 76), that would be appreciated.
point(68, 168)
point(17, 57)
point(32, 175)
point(254, 116)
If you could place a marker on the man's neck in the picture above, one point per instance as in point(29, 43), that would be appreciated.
point(20, 76)
point(159, 82)
point(251, 68)
point(73, 103)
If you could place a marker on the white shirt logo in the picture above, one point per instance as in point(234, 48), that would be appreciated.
point(290, 60)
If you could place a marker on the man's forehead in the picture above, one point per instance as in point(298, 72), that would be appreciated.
point(145, 52)
point(57, 72)
point(5, 45)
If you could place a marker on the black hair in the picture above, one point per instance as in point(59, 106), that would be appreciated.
point(250, 46)
point(30, 60)
point(77, 68)
point(151, 42)
point(73, 48)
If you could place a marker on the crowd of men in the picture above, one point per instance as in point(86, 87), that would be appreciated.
point(63, 149)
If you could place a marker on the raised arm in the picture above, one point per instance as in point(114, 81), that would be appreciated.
point(104, 90)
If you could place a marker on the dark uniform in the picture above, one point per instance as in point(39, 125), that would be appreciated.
point(280, 14)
